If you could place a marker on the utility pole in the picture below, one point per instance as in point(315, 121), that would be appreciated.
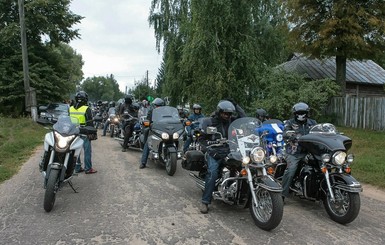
point(30, 93)
point(147, 78)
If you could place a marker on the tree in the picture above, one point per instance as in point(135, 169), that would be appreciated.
point(102, 88)
point(341, 28)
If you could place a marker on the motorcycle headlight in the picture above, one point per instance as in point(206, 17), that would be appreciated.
point(257, 155)
point(63, 142)
point(325, 158)
point(175, 136)
point(165, 136)
point(273, 159)
point(339, 157)
point(245, 160)
point(116, 120)
point(350, 158)
point(279, 137)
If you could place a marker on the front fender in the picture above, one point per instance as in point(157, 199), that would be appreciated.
point(344, 182)
point(269, 183)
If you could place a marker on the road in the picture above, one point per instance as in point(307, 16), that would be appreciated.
point(122, 204)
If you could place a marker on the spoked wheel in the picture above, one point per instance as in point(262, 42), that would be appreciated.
point(50, 191)
point(171, 162)
point(268, 213)
point(345, 208)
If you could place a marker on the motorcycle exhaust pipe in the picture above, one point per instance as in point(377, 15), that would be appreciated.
point(198, 181)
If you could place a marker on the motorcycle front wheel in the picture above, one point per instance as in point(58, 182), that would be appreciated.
point(51, 189)
point(268, 214)
point(112, 130)
point(171, 162)
point(345, 208)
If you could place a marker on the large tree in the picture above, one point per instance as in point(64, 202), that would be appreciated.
point(102, 88)
point(54, 67)
point(341, 28)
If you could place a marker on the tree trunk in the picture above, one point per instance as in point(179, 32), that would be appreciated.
point(341, 73)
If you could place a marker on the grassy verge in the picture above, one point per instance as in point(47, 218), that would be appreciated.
point(18, 139)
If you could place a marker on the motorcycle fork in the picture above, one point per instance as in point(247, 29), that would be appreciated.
point(251, 185)
point(327, 178)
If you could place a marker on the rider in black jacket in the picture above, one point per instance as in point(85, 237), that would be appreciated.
point(128, 108)
point(301, 124)
point(221, 119)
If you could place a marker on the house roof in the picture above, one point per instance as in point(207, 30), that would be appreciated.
point(360, 72)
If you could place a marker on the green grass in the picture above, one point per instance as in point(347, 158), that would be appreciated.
point(19, 138)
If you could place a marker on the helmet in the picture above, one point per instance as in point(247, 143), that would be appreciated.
point(81, 96)
point(261, 114)
point(158, 102)
point(301, 111)
point(197, 107)
point(99, 103)
point(136, 106)
point(112, 104)
point(128, 99)
point(179, 107)
point(225, 106)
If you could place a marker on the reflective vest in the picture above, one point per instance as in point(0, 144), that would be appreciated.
point(79, 113)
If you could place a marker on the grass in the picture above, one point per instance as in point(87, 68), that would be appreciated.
point(19, 138)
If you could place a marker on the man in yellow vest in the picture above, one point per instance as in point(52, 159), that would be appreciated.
point(83, 113)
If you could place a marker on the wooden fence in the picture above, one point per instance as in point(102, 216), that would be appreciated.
point(358, 112)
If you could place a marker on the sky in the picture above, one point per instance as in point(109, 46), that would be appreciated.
point(116, 39)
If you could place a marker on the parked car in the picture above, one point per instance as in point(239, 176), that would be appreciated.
point(52, 111)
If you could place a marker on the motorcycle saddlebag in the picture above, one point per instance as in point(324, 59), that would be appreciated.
point(193, 160)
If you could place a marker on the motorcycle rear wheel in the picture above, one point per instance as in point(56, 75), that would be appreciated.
point(51, 189)
point(346, 207)
point(171, 163)
point(269, 212)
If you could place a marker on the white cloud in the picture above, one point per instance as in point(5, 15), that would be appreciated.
point(116, 39)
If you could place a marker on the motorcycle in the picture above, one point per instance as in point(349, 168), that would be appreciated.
point(137, 139)
point(62, 147)
point(271, 133)
point(165, 138)
point(325, 174)
point(113, 125)
point(243, 180)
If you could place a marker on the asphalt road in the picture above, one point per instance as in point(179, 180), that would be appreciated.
point(122, 204)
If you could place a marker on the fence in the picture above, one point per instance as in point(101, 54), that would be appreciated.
point(358, 112)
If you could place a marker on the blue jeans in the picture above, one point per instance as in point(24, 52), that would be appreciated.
point(106, 124)
point(292, 165)
point(87, 155)
point(210, 178)
point(145, 153)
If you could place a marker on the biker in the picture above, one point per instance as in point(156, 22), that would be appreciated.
point(301, 124)
point(157, 102)
point(111, 110)
point(130, 111)
point(221, 119)
point(197, 113)
point(83, 112)
point(261, 114)
point(181, 112)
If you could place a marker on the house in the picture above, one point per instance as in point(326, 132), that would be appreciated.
point(363, 78)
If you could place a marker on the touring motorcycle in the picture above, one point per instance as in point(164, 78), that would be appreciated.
point(62, 147)
point(325, 174)
point(165, 138)
point(243, 181)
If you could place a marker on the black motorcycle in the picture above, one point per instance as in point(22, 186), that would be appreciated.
point(137, 137)
point(325, 175)
point(165, 138)
point(243, 181)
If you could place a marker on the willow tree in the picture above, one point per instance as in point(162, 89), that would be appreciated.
point(341, 28)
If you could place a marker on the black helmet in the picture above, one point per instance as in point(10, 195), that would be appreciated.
point(158, 102)
point(197, 107)
point(225, 106)
point(128, 99)
point(261, 114)
point(136, 106)
point(81, 96)
point(99, 103)
point(301, 111)
point(112, 104)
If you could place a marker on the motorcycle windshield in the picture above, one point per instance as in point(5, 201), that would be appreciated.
point(66, 125)
point(165, 114)
point(243, 136)
point(324, 138)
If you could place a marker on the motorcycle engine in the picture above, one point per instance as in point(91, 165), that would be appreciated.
point(229, 190)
